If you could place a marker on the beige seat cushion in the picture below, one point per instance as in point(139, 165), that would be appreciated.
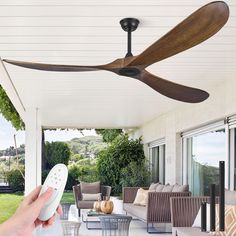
point(167, 188)
point(91, 196)
point(230, 197)
point(159, 187)
point(138, 211)
point(90, 187)
point(153, 186)
point(189, 231)
point(180, 188)
point(141, 197)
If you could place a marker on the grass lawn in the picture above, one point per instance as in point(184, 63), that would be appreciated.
point(8, 205)
point(10, 202)
point(68, 197)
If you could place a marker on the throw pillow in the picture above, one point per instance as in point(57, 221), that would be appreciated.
point(230, 221)
point(167, 188)
point(90, 187)
point(141, 197)
point(159, 187)
point(153, 186)
point(197, 221)
point(230, 197)
point(180, 188)
point(91, 196)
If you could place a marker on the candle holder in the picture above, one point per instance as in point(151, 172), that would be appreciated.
point(212, 207)
point(203, 217)
point(222, 196)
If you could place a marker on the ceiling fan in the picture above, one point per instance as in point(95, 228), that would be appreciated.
point(196, 28)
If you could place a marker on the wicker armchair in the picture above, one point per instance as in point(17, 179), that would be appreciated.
point(157, 209)
point(80, 204)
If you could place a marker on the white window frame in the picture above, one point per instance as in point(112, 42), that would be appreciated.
point(157, 143)
point(202, 130)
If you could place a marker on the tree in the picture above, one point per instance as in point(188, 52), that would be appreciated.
point(108, 135)
point(56, 152)
point(118, 155)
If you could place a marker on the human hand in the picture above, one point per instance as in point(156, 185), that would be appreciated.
point(25, 219)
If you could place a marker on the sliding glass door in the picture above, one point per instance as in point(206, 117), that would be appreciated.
point(203, 152)
point(157, 163)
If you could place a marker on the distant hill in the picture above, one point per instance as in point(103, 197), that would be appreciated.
point(88, 146)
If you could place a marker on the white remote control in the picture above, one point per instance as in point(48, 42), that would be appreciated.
point(56, 179)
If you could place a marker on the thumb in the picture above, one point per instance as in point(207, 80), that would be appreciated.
point(43, 198)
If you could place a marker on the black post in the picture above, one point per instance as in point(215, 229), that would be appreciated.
point(203, 217)
point(212, 208)
point(222, 196)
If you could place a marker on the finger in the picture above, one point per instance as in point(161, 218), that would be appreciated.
point(38, 222)
point(59, 210)
point(51, 220)
point(42, 199)
point(32, 196)
point(48, 222)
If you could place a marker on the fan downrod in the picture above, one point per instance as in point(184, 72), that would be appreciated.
point(129, 25)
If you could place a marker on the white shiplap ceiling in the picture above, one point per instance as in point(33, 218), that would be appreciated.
point(88, 32)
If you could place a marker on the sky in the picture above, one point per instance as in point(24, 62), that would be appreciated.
point(7, 133)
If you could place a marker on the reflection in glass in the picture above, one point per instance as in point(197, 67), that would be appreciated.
point(204, 152)
point(157, 164)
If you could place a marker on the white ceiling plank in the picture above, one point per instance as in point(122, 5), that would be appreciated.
point(99, 11)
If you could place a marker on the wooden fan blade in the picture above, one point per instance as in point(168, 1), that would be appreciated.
point(195, 29)
point(54, 67)
point(171, 89)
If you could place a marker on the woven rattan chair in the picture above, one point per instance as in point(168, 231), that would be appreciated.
point(70, 228)
point(65, 209)
point(115, 225)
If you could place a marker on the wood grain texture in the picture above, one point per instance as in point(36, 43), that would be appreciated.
point(172, 90)
point(195, 29)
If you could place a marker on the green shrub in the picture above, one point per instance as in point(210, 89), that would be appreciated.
point(108, 135)
point(56, 152)
point(72, 179)
point(83, 170)
point(44, 175)
point(135, 175)
point(117, 156)
point(16, 180)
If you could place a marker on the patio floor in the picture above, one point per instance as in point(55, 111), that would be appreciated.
point(137, 228)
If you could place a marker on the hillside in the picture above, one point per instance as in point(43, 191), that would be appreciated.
point(87, 146)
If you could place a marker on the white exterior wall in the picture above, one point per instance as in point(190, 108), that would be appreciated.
point(222, 103)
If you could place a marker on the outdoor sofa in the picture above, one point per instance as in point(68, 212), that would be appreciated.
point(157, 209)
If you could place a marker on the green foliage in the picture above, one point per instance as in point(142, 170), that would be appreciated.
point(84, 170)
point(15, 180)
point(56, 152)
point(76, 157)
point(108, 135)
point(117, 156)
point(9, 112)
point(135, 175)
